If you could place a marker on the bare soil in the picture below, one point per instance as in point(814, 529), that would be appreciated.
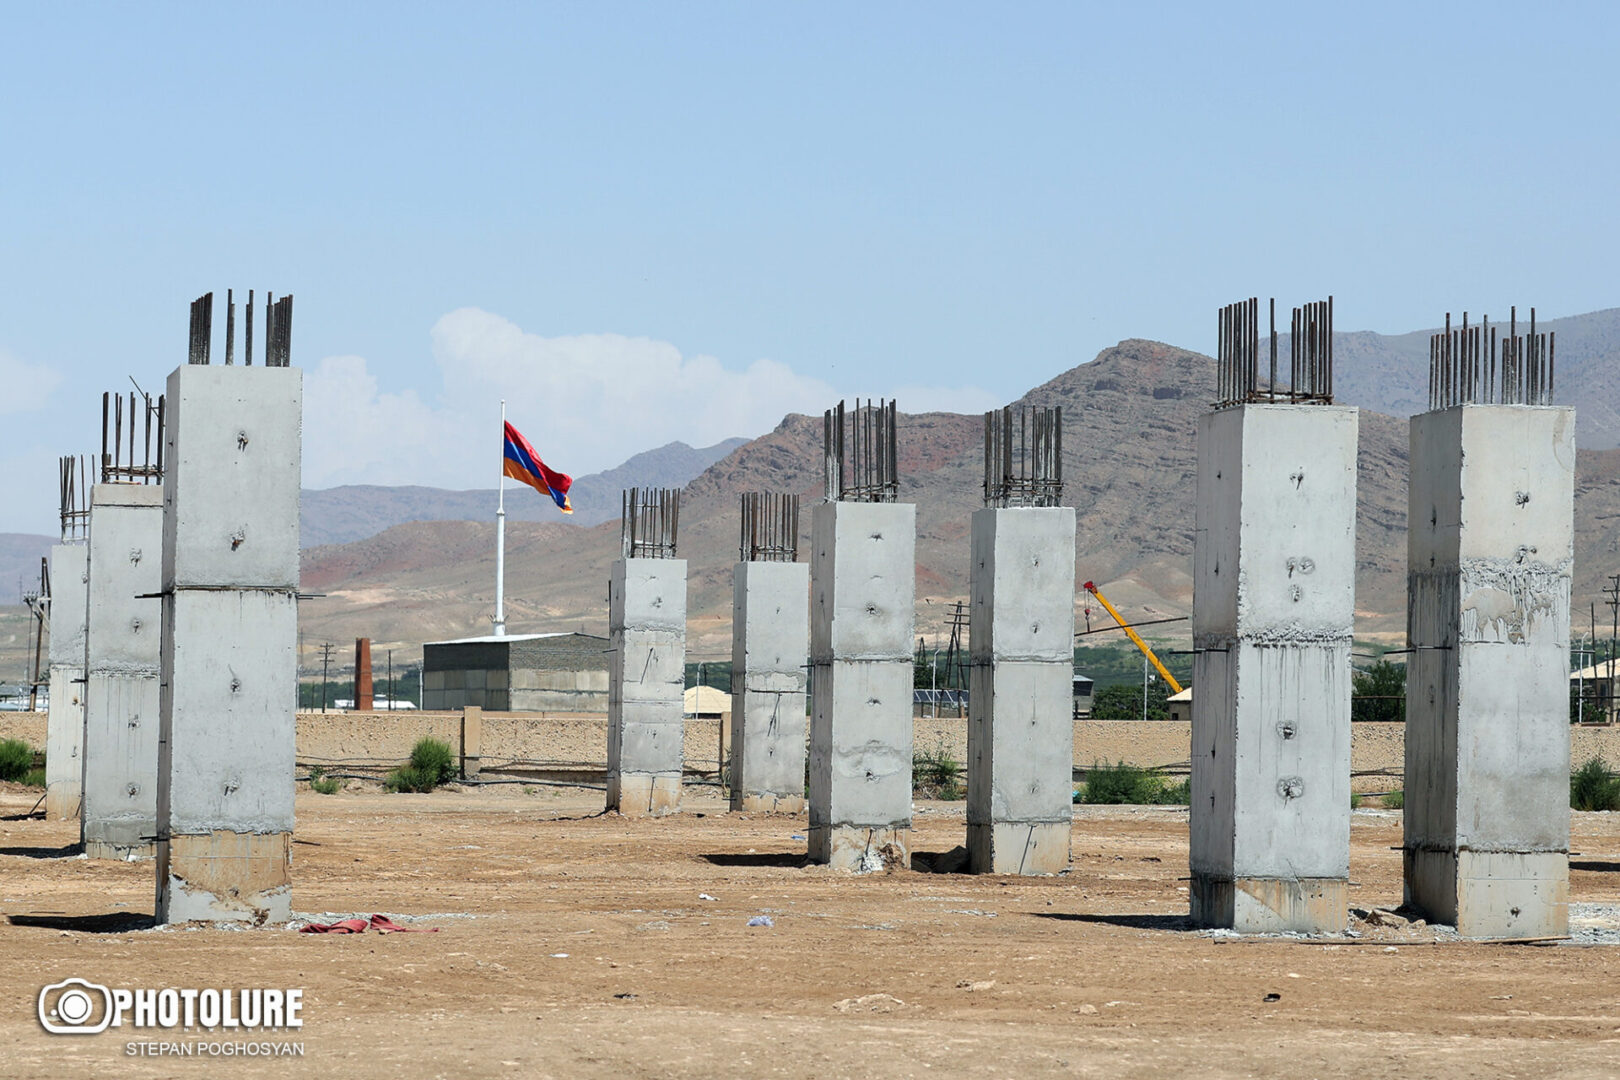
point(576, 944)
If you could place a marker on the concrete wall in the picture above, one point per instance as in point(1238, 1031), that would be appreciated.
point(770, 648)
point(1490, 548)
point(1021, 634)
point(524, 673)
point(230, 630)
point(1274, 566)
point(64, 767)
point(122, 653)
point(862, 592)
point(647, 624)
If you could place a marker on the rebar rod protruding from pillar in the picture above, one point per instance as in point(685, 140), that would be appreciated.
point(278, 333)
point(1023, 456)
point(74, 477)
point(1310, 355)
point(145, 467)
point(202, 328)
point(770, 527)
point(1469, 365)
point(863, 467)
point(649, 522)
point(277, 329)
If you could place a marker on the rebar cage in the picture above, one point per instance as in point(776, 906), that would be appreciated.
point(770, 527)
point(74, 476)
point(1310, 359)
point(649, 522)
point(1469, 366)
point(277, 329)
point(1023, 456)
point(119, 461)
point(860, 455)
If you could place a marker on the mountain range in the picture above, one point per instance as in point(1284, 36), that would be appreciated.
point(408, 565)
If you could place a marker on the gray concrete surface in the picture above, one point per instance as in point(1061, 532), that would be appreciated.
point(122, 637)
point(1020, 714)
point(862, 590)
point(230, 631)
point(647, 676)
point(64, 740)
point(770, 652)
point(1273, 601)
point(1489, 550)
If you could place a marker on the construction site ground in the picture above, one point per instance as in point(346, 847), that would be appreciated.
point(578, 944)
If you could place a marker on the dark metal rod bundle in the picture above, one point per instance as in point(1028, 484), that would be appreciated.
point(202, 319)
point(770, 527)
point(1470, 365)
point(649, 522)
point(1023, 461)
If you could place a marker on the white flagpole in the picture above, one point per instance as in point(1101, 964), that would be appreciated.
point(500, 538)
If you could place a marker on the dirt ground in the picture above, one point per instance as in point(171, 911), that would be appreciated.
point(581, 945)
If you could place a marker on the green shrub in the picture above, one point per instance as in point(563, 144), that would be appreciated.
point(34, 778)
point(325, 785)
point(1130, 784)
point(1394, 800)
point(936, 776)
point(434, 760)
point(1175, 794)
point(1355, 801)
point(1593, 787)
point(408, 778)
point(16, 759)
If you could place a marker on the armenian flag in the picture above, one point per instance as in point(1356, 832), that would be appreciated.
point(523, 464)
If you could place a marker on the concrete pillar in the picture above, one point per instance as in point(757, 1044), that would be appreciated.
point(1489, 550)
point(64, 724)
point(1020, 709)
point(122, 637)
point(230, 632)
point(1274, 563)
point(647, 632)
point(862, 591)
point(472, 740)
point(770, 648)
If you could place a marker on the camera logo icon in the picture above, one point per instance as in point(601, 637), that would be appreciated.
point(75, 1007)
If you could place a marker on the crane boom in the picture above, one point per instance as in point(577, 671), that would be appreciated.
point(1091, 588)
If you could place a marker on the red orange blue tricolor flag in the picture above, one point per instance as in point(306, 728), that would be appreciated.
point(524, 465)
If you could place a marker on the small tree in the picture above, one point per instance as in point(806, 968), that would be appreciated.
point(1379, 693)
point(1125, 703)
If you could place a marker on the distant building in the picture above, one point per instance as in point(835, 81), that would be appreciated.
point(517, 673)
point(1597, 686)
point(1180, 705)
point(1084, 691)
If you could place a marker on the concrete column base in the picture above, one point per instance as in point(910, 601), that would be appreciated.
point(766, 803)
point(1271, 905)
point(1011, 847)
point(225, 876)
point(858, 848)
point(1491, 894)
point(107, 849)
point(644, 794)
point(62, 801)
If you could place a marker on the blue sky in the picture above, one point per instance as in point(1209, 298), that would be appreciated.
point(646, 222)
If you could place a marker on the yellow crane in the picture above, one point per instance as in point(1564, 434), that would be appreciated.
point(1091, 588)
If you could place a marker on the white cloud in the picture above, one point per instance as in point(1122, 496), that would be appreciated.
point(27, 386)
point(586, 401)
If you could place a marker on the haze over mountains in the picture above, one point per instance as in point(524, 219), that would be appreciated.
point(395, 564)
point(343, 514)
point(1130, 422)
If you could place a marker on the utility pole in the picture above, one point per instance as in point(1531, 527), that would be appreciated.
point(1613, 595)
point(1144, 688)
point(326, 666)
point(390, 680)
